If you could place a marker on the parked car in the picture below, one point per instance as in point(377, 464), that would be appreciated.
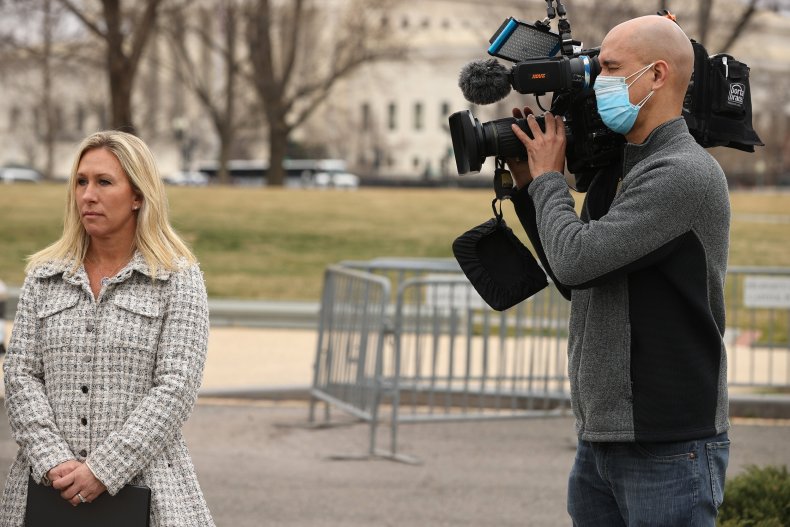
point(187, 178)
point(20, 175)
point(336, 180)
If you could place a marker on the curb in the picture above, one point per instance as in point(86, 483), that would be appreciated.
point(741, 405)
point(279, 393)
point(230, 312)
point(760, 406)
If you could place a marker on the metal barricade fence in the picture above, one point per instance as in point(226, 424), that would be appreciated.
point(450, 356)
point(430, 349)
point(758, 327)
point(456, 358)
point(398, 270)
point(352, 327)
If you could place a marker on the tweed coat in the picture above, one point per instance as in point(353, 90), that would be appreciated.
point(109, 380)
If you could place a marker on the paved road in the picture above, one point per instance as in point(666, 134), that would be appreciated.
point(259, 465)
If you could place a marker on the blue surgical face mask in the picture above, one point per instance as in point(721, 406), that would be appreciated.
point(614, 104)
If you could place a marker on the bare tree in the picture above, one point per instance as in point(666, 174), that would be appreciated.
point(39, 51)
point(219, 100)
point(607, 13)
point(297, 59)
point(125, 35)
point(46, 95)
point(705, 21)
point(740, 26)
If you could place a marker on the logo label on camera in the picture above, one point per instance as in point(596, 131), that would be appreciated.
point(737, 93)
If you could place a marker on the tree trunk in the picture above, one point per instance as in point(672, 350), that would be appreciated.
point(121, 72)
point(271, 85)
point(123, 57)
point(223, 174)
point(49, 114)
point(121, 100)
point(278, 142)
point(227, 131)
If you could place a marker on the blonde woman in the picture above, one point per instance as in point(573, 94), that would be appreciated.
point(107, 349)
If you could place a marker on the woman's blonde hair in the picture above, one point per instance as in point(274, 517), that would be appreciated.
point(156, 240)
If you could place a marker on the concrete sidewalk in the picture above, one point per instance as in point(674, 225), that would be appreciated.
point(240, 358)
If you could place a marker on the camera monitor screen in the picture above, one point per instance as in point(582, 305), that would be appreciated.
point(517, 41)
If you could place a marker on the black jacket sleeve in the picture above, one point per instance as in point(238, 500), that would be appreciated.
point(525, 210)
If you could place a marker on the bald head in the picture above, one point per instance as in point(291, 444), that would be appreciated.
point(657, 49)
point(652, 38)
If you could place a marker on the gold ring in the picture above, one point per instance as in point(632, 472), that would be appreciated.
point(82, 500)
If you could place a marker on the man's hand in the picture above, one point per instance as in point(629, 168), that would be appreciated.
point(519, 168)
point(79, 481)
point(546, 151)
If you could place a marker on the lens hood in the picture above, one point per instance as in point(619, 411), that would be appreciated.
point(464, 129)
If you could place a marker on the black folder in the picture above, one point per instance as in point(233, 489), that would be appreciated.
point(130, 507)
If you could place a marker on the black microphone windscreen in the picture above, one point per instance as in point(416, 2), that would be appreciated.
point(484, 81)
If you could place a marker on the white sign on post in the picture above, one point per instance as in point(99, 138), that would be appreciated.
point(766, 291)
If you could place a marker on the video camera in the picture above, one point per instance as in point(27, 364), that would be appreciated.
point(717, 107)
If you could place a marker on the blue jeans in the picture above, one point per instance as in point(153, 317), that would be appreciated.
point(652, 484)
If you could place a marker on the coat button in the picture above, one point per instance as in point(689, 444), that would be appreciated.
point(89, 328)
point(84, 421)
point(84, 389)
point(87, 358)
point(83, 453)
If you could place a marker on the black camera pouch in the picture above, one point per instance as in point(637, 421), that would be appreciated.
point(499, 266)
point(718, 104)
point(729, 82)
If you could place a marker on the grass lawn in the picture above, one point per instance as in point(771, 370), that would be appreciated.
point(275, 243)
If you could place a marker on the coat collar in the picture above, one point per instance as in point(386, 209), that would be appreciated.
point(78, 276)
point(667, 133)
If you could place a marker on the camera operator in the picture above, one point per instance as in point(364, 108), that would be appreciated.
point(644, 267)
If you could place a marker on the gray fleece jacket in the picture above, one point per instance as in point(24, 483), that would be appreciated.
point(646, 280)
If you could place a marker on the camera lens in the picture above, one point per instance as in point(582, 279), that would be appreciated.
point(499, 139)
point(473, 142)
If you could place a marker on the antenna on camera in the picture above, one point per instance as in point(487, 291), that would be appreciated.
point(550, 10)
point(561, 9)
point(564, 27)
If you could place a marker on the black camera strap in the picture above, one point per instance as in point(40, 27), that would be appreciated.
point(503, 187)
point(503, 182)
